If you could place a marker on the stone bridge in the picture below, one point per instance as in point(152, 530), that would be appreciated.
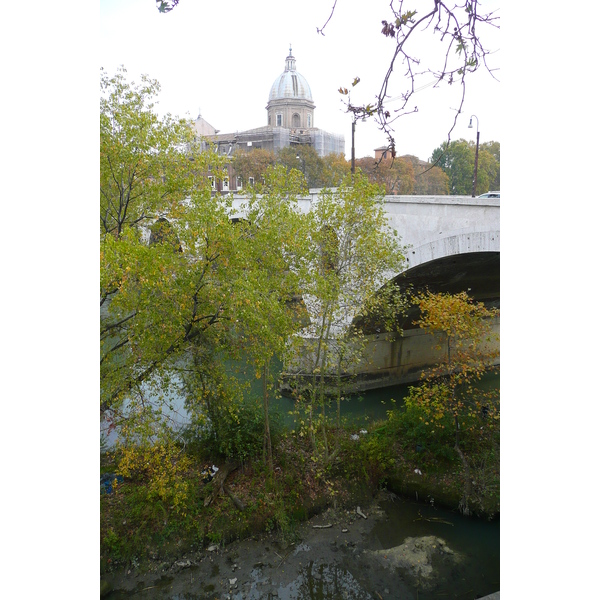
point(453, 245)
point(436, 226)
point(440, 226)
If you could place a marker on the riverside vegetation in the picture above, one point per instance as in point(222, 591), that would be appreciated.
point(186, 286)
point(159, 511)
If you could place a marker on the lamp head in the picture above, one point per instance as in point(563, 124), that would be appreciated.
point(470, 123)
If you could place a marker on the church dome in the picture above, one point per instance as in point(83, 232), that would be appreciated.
point(290, 84)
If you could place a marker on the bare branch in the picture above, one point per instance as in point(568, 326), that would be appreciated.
point(106, 328)
point(329, 19)
point(456, 25)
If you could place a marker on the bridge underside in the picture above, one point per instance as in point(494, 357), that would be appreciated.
point(477, 273)
point(392, 359)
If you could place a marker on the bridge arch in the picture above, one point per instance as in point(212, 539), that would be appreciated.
point(449, 245)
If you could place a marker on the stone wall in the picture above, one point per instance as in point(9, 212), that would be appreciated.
point(390, 359)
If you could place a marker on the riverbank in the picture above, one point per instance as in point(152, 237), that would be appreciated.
point(339, 553)
point(148, 535)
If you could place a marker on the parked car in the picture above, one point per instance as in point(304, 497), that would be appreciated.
point(490, 195)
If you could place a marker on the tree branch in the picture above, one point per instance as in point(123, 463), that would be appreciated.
point(329, 19)
point(457, 25)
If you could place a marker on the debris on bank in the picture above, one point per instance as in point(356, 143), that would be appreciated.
point(107, 481)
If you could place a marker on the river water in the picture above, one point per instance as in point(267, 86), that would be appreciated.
point(361, 409)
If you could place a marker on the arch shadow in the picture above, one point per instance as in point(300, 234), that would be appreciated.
point(477, 273)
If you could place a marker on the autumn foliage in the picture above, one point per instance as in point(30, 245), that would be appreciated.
point(450, 406)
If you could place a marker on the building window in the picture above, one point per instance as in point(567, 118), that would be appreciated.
point(279, 120)
point(238, 183)
point(226, 184)
point(213, 183)
point(250, 180)
point(295, 120)
point(269, 119)
point(309, 121)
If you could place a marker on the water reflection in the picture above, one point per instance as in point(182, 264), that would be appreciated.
point(360, 409)
point(321, 582)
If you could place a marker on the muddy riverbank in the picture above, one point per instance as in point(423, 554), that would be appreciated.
point(337, 554)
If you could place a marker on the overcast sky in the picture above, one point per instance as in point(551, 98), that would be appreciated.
point(221, 59)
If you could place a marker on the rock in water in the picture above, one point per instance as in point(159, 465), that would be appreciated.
point(416, 557)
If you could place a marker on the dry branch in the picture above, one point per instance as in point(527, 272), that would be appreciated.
point(218, 481)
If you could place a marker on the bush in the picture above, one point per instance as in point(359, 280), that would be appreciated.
point(415, 426)
point(238, 435)
point(162, 466)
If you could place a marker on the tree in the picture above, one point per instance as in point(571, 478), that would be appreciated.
point(429, 179)
point(353, 254)
point(135, 147)
point(396, 175)
point(327, 171)
point(448, 399)
point(275, 243)
point(252, 165)
point(335, 169)
point(157, 302)
point(488, 172)
point(304, 159)
point(493, 148)
point(183, 285)
point(457, 160)
point(458, 31)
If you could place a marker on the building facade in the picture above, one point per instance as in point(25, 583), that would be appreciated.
point(290, 122)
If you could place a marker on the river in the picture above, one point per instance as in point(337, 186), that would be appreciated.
point(361, 409)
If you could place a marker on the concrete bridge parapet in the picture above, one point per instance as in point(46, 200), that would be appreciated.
point(439, 226)
point(432, 226)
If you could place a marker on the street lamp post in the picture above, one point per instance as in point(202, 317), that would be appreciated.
point(476, 154)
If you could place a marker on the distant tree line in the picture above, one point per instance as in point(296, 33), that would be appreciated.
point(457, 160)
point(401, 175)
point(319, 172)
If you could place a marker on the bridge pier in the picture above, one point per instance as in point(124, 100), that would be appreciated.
point(388, 359)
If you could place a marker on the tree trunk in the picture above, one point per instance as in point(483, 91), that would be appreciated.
point(339, 394)
point(236, 501)
point(219, 480)
point(311, 432)
point(324, 430)
point(463, 505)
point(267, 447)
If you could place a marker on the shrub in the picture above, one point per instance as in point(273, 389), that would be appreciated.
point(239, 435)
point(162, 465)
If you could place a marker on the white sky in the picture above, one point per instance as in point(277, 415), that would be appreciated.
point(215, 57)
